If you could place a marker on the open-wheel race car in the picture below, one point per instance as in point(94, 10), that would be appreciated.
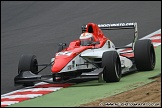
point(92, 55)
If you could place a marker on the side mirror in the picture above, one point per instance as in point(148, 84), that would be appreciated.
point(61, 44)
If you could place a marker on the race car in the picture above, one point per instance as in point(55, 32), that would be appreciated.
point(92, 55)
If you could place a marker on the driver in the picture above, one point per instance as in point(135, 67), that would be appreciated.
point(86, 39)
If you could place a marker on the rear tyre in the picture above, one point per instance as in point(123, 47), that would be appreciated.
point(112, 66)
point(28, 63)
point(144, 54)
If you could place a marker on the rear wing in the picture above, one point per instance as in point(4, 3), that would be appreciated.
point(118, 26)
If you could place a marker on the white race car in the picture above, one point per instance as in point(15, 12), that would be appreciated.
point(91, 55)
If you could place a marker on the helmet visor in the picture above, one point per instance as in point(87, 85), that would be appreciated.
point(86, 42)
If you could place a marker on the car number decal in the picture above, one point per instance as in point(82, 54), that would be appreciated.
point(68, 53)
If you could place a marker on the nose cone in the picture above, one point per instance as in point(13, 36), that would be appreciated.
point(61, 60)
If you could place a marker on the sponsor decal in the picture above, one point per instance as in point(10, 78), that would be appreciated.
point(116, 25)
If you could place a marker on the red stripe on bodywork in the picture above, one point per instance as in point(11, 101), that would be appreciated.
point(128, 55)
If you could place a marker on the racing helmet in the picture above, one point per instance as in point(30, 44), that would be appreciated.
point(86, 39)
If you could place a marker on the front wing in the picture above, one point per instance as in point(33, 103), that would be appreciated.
point(28, 76)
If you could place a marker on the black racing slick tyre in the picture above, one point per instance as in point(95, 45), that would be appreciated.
point(28, 63)
point(112, 66)
point(144, 54)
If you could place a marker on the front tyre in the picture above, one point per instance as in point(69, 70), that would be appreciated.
point(112, 66)
point(28, 63)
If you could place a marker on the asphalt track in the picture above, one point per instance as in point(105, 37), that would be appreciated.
point(32, 27)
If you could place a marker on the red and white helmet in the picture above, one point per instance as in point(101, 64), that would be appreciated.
point(86, 39)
